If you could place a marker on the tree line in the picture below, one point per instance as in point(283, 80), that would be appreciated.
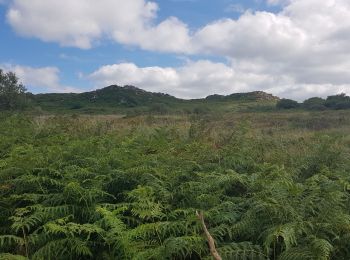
point(336, 102)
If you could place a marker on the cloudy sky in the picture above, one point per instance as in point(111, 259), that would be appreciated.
point(187, 48)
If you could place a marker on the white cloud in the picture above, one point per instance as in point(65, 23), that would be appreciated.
point(202, 78)
point(81, 23)
point(302, 48)
point(171, 35)
point(307, 42)
point(253, 35)
point(42, 79)
point(191, 80)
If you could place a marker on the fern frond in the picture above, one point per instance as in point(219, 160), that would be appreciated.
point(242, 251)
point(12, 257)
point(181, 247)
point(287, 232)
point(322, 248)
point(11, 240)
point(297, 253)
point(63, 247)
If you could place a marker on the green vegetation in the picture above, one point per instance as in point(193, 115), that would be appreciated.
point(271, 185)
point(133, 101)
point(287, 104)
point(12, 93)
point(336, 102)
point(127, 100)
point(315, 103)
point(152, 175)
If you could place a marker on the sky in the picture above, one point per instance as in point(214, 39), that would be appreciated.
point(187, 48)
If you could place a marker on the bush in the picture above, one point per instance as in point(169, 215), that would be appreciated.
point(314, 103)
point(340, 101)
point(287, 104)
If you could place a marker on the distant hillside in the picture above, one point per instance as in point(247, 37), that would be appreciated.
point(127, 96)
point(116, 98)
point(250, 96)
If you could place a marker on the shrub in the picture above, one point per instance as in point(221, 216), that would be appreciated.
point(340, 101)
point(287, 104)
point(314, 103)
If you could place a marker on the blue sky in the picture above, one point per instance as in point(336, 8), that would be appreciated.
point(188, 48)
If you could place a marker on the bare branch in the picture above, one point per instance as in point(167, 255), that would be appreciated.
point(210, 239)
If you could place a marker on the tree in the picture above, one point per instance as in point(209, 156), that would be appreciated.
point(12, 92)
point(314, 103)
point(341, 101)
point(287, 104)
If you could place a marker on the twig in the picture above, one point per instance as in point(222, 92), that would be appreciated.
point(210, 239)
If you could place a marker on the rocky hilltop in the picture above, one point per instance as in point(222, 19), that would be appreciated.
point(118, 97)
point(249, 96)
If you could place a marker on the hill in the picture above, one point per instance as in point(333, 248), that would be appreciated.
point(117, 98)
point(249, 96)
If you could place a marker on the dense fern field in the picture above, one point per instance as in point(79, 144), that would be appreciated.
point(270, 186)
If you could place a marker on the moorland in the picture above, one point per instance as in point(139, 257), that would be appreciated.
point(122, 173)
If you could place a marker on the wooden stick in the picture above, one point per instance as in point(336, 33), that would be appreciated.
point(210, 239)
